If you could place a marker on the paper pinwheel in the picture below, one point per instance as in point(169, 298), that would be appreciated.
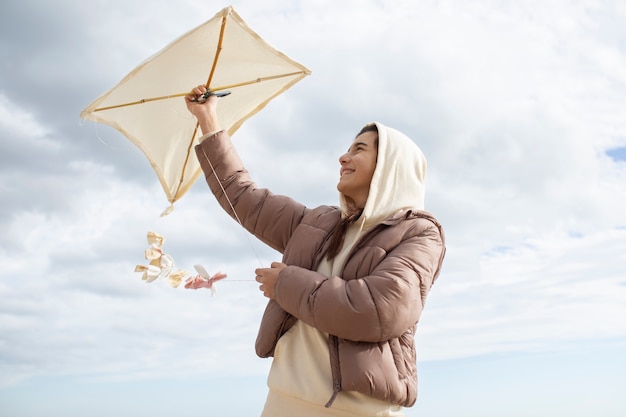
point(203, 279)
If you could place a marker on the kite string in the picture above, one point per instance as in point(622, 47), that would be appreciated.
point(82, 122)
point(232, 207)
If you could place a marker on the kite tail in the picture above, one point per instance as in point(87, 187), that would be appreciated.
point(168, 210)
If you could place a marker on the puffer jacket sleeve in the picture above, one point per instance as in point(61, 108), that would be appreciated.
point(271, 218)
point(377, 306)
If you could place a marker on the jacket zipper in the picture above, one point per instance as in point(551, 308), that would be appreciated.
point(334, 343)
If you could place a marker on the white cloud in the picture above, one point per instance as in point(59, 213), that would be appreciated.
point(68, 281)
point(552, 292)
point(18, 121)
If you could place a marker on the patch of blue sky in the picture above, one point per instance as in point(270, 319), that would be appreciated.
point(507, 249)
point(617, 154)
point(575, 234)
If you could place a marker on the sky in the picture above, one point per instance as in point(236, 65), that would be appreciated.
point(519, 106)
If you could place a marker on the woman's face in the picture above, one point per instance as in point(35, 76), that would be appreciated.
point(357, 169)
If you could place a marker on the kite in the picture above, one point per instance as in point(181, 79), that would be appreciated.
point(147, 106)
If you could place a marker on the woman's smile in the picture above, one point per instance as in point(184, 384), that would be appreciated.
point(357, 169)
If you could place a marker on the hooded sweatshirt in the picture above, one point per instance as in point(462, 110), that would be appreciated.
point(300, 377)
point(398, 182)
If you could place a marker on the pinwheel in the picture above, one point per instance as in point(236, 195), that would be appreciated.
point(203, 279)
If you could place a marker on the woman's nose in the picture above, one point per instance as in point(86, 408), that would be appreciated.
point(344, 158)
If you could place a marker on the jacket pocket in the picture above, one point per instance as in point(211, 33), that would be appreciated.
point(274, 324)
point(399, 356)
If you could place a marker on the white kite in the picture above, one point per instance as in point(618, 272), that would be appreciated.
point(148, 107)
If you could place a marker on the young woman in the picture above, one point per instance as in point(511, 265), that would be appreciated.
point(345, 301)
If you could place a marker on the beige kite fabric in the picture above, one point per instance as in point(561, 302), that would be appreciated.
point(148, 107)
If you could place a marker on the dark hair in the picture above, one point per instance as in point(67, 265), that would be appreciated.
point(339, 232)
point(368, 128)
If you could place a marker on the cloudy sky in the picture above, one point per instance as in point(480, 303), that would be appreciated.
point(520, 107)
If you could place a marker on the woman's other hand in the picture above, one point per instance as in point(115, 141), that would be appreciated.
point(267, 278)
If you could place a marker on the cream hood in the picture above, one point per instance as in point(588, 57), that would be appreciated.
point(398, 182)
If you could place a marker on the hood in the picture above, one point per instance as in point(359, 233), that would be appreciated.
point(398, 182)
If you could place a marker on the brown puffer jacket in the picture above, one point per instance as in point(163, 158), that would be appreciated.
point(371, 311)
